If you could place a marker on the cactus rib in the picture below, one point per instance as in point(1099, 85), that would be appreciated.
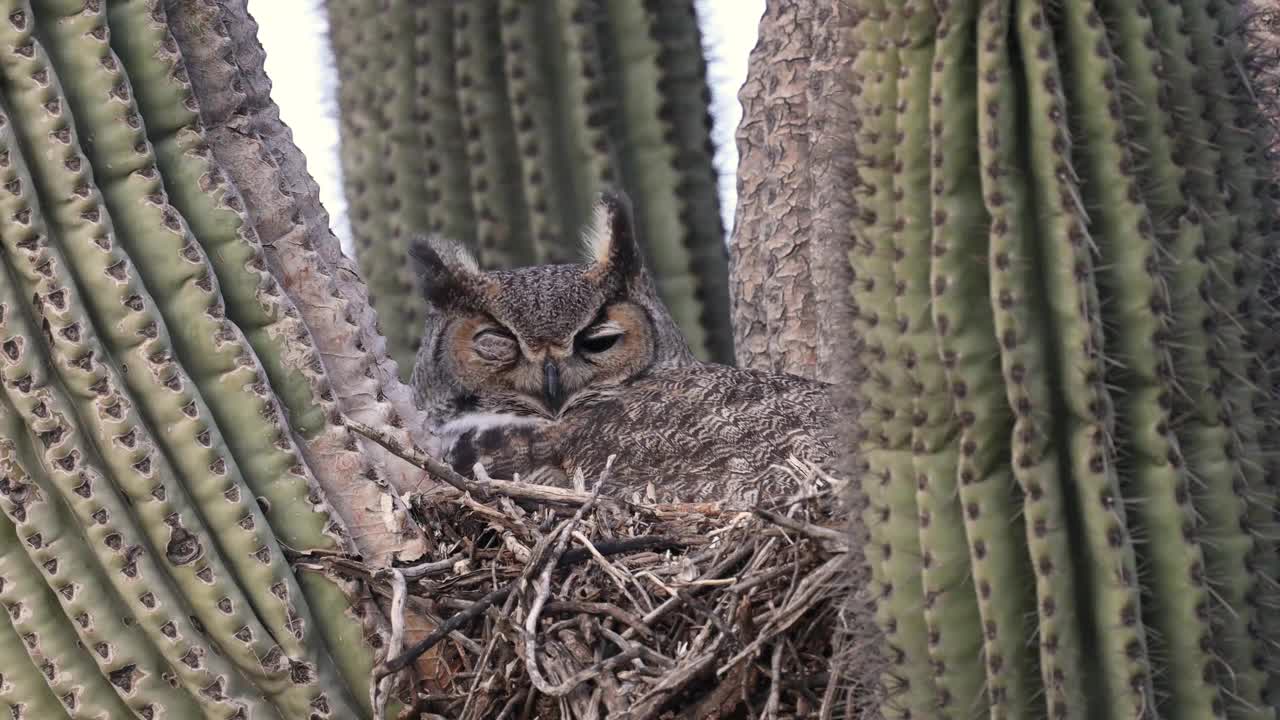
point(1088, 424)
point(971, 357)
point(582, 99)
point(950, 592)
point(647, 161)
point(684, 85)
point(873, 427)
point(534, 123)
point(1151, 458)
point(1240, 544)
point(498, 204)
point(348, 37)
point(23, 692)
point(892, 518)
point(448, 195)
point(367, 173)
point(63, 657)
point(1038, 459)
point(403, 310)
point(1246, 137)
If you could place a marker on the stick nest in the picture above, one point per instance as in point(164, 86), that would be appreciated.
point(549, 602)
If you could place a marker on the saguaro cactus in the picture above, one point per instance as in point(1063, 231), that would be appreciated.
point(496, 122)
point(1063, 250)
point(1067, 443)
point(167, 427)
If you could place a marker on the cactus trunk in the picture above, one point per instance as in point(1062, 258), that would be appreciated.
point(496, 122)
point(168, 428)
point(1060, 266)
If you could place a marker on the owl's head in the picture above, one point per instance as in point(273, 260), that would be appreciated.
point(531, 341)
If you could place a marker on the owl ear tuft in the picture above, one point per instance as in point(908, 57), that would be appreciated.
point(447, 269)
point(611, 240)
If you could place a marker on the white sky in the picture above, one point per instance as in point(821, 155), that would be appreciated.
point(301, 70)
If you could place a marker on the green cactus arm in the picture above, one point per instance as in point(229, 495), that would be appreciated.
point(448, 182)
point(1200, 428)
point(129, 660)
point(950, 601)
point(581, 97)
point(23, 692)
point(351, 47)
point(647, 161)
point(215, 214)
point(130, 453)
point(389, 129)
point(1027, 363)
point(47, 634)
point(168, 397)
point(499, 206)
point(150, 481)
point(970, 353)
point(373, 174)
point(1202, 260)
point(362, 53)
point(686, 106)
point(226, 373)
point(1131, 275)
point(894, 518)
point(250, 296)
point(537, 133)
point(1088, 419)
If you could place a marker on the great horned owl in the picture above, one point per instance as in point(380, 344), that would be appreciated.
point(546, 370)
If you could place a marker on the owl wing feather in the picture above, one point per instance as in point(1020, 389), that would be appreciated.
point(697, 433)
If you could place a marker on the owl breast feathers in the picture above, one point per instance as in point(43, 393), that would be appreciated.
point(548, 370)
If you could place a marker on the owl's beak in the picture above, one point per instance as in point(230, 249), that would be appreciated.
point(552, 391)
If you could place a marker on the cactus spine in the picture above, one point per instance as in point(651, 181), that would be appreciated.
point(500, 122)
point(1060, 269)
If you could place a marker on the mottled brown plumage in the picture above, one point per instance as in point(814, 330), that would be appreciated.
point(548, 370)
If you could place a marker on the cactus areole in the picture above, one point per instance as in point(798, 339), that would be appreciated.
point(1063, 257)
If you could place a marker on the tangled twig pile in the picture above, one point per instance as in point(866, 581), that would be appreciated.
point(559, 602)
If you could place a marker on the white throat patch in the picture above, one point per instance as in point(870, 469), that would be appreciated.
point(481, 421)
